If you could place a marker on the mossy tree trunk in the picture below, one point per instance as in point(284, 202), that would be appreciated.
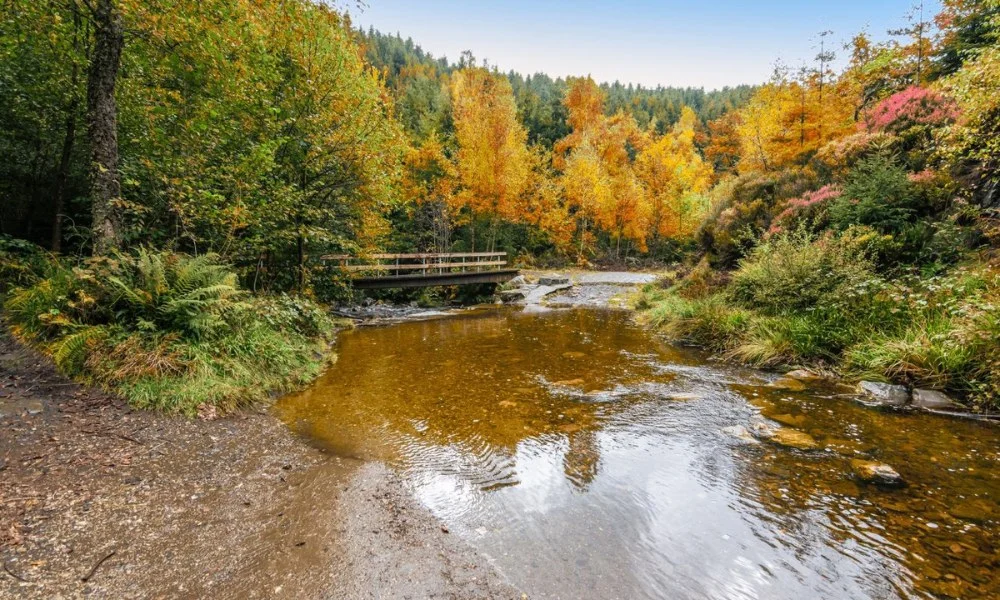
point(102, 125)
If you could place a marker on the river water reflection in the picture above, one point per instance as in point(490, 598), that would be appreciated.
point(587, 459)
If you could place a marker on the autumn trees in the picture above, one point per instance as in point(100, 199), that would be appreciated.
point(271, 132)
point(251, 129)
point(492, 158)
point(635, 185)
point(675, 176)
point(258, 130)
point(607, 179)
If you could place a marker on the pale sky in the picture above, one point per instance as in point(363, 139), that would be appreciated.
point(697, 44)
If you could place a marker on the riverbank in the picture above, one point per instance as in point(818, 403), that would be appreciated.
point(100, 500)
point(809, 304)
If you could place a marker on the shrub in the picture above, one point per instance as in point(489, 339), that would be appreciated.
point(810, 210)
point(170, 331)
point(21, 263)
point(742, 213)
point(837, 157)
point(878, 194)
point(910, 108)
point(798, 301)
point(794, 271)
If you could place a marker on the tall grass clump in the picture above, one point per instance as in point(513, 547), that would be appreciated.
point(949, 340)
point(169, 331)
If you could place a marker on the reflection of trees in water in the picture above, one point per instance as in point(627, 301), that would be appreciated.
point(582, 458)
point(477, 384)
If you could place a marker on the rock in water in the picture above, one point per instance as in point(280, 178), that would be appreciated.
point(509, 296)
point(553, 280)
point(787, 383)
point(933, 400)
point(884, 394)
point(878, 473)
point(741, 433)
point(803, 375)
point(793, 438)
point(784, 436)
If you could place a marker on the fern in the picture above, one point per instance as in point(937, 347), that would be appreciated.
point(168, 330)
point(70, 352)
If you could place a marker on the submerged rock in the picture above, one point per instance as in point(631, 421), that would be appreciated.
point(803, 375)
point(784, 436)
point(870, 471)
point(788, 419)
point(973, 510)
point(884, 394)
point(741, 433)
point(934, 400)
point(787, 383)
point(793, 438)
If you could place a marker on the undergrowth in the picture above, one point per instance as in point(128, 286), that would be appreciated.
point(799, 300)
point(169, 331)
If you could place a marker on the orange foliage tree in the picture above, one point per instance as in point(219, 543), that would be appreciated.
point(493, 163)
point(598, 180)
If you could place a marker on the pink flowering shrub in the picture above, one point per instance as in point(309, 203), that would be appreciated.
point(838, 156)
point(926, 176)
point(811, 207)
point(914, 106)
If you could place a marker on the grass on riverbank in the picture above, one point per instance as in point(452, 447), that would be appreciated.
point(169, 331)
point(800, 301)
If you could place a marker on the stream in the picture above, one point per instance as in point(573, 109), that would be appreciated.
point(586, 458)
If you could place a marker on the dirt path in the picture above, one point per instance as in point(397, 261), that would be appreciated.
point(99, 501)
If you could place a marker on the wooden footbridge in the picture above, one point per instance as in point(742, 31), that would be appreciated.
point(379, 271)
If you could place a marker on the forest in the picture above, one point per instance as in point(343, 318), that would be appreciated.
point(175, 172)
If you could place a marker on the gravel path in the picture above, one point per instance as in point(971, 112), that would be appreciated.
point(595, 288)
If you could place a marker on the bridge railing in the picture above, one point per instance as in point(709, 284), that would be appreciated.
point(428, 264)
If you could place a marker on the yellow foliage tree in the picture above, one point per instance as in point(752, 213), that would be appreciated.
point(429, 186)
point(785, 122)
point(493, 162)
point(672, 172)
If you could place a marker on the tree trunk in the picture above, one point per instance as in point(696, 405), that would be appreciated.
point(102, 126)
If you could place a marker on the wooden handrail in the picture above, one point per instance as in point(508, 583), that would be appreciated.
point(410, 268)
point(414, 256)
point(421, 266)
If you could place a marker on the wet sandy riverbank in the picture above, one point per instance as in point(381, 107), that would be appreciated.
point(100, 501)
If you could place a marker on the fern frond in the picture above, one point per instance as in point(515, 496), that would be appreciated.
point(70, 352)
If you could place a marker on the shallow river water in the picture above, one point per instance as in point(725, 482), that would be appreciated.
point(587, 459)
